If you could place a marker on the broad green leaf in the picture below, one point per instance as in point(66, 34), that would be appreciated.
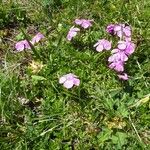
point(37, 78)
point(119, 139)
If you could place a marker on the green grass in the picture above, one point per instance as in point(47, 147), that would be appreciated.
point(38, 113)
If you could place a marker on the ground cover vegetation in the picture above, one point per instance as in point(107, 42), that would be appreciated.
point(75, 75)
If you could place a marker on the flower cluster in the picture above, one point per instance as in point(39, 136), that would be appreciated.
point(124, 49)
point(119, 55)
point(24, 44)
point(73, 30)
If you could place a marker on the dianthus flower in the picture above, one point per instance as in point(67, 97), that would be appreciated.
point(102, 45)
point(124, 49)
point(127, 46)
point(37, 38)
point(117, 66)
point(118, 56)
point(83, 23)
point(69, 80)
point(121, 30)
point(21, 45)
point(72, 33)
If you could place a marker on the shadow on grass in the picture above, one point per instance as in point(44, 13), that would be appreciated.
point(128, 88)
point(83, 98)
point(80, 46)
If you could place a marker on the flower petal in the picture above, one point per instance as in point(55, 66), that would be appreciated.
point(117, 66)
point(115, 51)
point(122, 45)
point(123, 77)
point(99, 48)
point(117, 28)
point(127, 31)
point(130, 48)
point(68, 84)
point(107, 45)
point(78, 21)
point(62, 79)
point(120, 33)
point(37, 38)
point(96, 44)
point(123, 56)
point(86, 24)
point(76, 82)
point(19, 46)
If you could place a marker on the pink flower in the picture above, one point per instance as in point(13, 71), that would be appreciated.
point(124, 76)
point(72, 33)
point(83, 23)
point(121, 30)
point(110, 28)
point(122, 52)
point(127, 46)
point(102, 44)
point(37, 38)
point(128, 39)
point(122, 45)
point(126, 30)
point(69, 80)
point(119, 56)
point(21, 45)
point(117, 66)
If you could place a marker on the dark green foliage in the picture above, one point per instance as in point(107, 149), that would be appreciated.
point(12, 15)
